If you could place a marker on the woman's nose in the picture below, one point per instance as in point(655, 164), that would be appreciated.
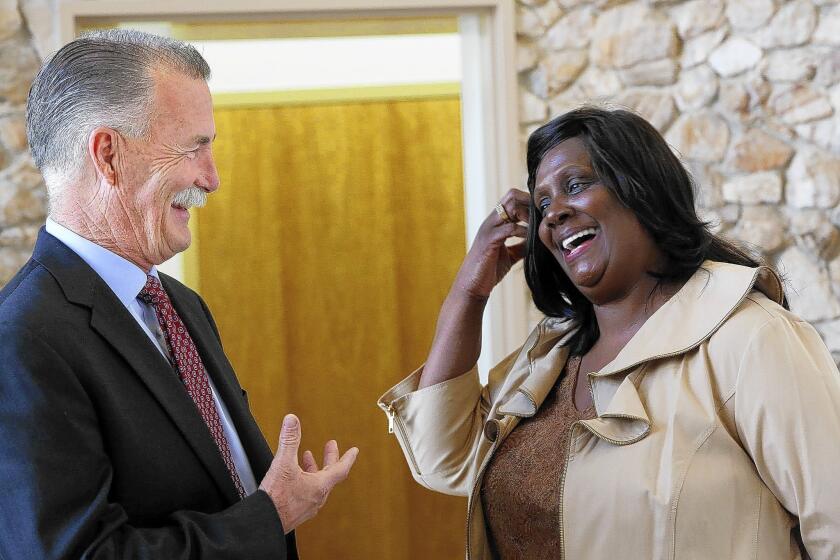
point(556, 213)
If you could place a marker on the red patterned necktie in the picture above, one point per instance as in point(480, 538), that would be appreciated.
point(190, 368)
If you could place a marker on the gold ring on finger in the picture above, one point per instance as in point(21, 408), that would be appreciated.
point(500, 210)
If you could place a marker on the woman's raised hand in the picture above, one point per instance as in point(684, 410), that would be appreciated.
point(489, 258)
point(457, 342)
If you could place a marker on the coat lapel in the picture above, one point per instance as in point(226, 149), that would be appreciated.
point(114, 323)
point(684, 322)
point(535, 370)
point(111, 320)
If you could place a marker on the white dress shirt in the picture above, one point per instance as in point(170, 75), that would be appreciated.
point(126, 280)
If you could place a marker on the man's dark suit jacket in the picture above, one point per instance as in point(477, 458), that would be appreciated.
point(104, 454)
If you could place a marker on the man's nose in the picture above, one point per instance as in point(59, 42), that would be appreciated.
point(209, 180)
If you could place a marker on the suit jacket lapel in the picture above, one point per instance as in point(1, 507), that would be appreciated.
point(109, 318)
point(223, 376)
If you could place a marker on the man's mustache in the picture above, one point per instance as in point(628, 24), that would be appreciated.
point(189, 197)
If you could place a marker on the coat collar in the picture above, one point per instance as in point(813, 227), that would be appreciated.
point(706, 300)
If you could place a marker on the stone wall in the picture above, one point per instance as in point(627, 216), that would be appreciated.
point(22, 192)
point(746, 91)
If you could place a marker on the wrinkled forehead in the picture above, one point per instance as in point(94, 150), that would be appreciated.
point(182, 105)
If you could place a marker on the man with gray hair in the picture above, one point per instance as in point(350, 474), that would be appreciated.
point(125, 431)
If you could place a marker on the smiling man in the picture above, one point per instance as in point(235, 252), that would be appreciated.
point(126, 433)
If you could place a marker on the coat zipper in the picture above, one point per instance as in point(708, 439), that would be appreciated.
point(563, 474)
point(566, 468)
point(562, 489)
point(390, 412)
point(394, 421)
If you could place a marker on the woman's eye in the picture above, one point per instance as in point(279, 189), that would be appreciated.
point(575, 186)
point(543, 205)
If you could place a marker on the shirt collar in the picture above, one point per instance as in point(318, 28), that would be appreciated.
point(125, 278)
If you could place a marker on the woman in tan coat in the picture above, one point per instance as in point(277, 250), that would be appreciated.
point(669, 406)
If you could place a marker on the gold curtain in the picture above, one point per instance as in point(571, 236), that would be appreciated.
point(324, 257)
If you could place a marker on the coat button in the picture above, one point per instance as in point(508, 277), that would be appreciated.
point(491, 429)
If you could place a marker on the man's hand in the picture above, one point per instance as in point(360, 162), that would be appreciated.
point(298, 493)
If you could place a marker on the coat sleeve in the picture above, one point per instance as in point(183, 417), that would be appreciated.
point(56, 475)
point(787, 411)
point(440, 427)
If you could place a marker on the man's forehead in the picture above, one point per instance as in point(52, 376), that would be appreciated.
point(179, 92)
point(183, 106)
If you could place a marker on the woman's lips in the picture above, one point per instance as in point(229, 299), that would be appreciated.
point(577, 251)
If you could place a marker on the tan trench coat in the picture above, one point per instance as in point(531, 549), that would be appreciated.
point(717, 436)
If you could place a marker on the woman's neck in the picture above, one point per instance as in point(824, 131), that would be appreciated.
point(621, 318)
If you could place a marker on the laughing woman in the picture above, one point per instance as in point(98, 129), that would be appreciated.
point(669, 406)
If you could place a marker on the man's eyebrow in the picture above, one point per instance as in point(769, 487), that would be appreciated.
point(202, 140)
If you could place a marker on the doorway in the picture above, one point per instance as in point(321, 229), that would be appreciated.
point(337, 284)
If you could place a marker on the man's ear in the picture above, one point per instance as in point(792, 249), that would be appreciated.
point(103, 143)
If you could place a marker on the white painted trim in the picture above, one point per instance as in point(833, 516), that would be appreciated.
point(488, 128)
point(489, 96)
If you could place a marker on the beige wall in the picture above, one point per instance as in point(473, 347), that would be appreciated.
point(747, 90)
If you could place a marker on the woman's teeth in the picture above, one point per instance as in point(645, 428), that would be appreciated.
point(569, 242)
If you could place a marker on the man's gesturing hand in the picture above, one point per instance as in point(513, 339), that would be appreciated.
point(298, 493)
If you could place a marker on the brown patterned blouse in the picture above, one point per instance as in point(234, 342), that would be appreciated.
point(520, 492)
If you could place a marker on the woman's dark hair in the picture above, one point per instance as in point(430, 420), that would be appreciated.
point(635, 163)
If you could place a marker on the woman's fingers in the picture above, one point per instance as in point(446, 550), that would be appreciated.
point(506, 231)
point(516, 251)
point(513, 207)
point(522, 205)
point(489, 259)
point(519, 230)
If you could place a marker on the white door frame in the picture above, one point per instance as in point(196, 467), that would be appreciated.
point(492, 162)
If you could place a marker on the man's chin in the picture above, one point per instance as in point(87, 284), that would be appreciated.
point(175, 246)
point(182, 246)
